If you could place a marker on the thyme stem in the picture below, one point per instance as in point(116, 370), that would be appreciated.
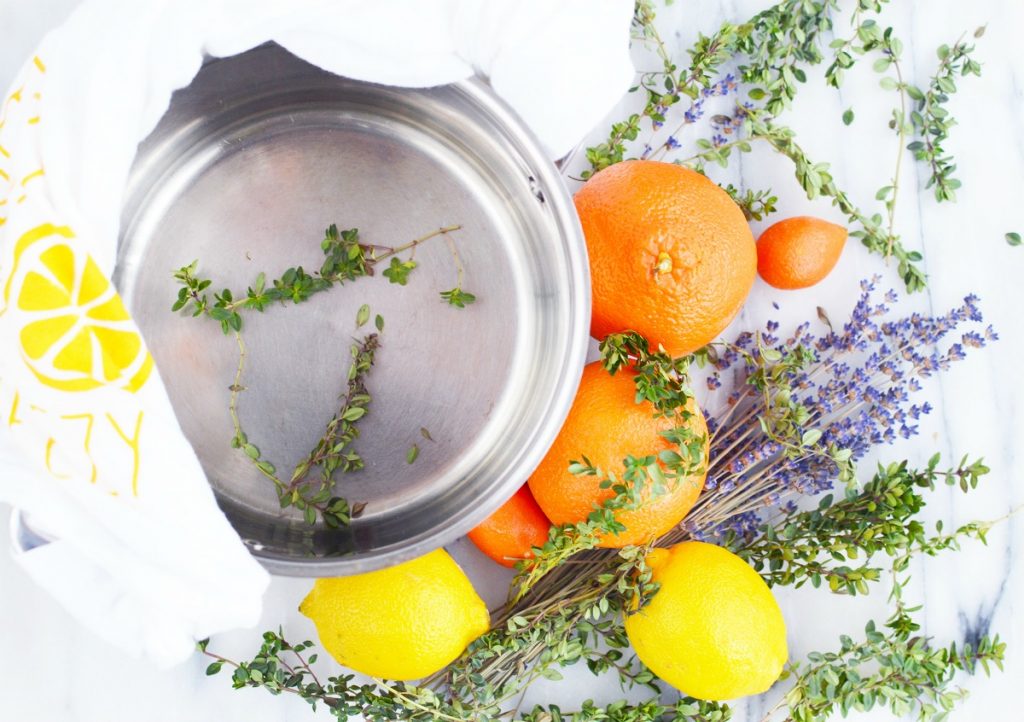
point(901, 122)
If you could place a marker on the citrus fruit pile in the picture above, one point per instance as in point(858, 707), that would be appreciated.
point(673, 259)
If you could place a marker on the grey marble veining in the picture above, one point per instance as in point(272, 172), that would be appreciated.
point(53, 670)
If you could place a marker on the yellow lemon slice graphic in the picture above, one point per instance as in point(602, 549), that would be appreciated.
point(76, 334)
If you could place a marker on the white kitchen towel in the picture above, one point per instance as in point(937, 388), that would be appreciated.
point(89, 445)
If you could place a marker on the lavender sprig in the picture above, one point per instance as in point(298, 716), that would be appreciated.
point(834, 396)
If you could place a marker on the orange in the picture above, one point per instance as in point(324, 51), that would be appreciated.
point(798, 252)
point(510, 533)
point(606, 425)
point(671, 254)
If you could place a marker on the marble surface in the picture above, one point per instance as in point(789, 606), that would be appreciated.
point(51, 669)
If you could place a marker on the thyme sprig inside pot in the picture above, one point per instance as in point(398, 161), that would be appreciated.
point(346, 259)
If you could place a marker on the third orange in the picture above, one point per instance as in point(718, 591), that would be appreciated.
point(510, 533)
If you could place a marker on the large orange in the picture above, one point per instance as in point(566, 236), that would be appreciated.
point(606, 425)
point(510, 533)
point(671, 254)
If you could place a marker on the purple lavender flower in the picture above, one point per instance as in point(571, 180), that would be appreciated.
point(856, 391)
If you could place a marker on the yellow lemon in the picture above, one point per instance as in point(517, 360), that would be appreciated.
point(75, 332)
point(402, 623)
point(713, 630)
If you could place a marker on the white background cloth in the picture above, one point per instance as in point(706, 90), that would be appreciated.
point(155, 572)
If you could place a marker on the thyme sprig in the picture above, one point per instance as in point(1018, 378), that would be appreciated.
point(817, 545)
point(333, 452)
point(707, 54)
point(905, 673)
point(869, 37)
point(456, 296)
point(685, 710)
point(281, 667)
point(846, 51)
point(929, 119)
point(783, 40)
point(932, 120)
point(346, 259)
point(755, 204)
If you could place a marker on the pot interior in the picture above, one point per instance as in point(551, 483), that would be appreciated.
point(250, 164)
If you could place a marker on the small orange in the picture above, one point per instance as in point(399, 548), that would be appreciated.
point(606, 425)
point(671, 254)
point(798, 252)
point(509, 534)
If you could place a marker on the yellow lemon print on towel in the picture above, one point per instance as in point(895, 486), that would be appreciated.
point(77, 335)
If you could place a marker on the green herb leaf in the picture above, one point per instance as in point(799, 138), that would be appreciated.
point(810, 437)
point(398, 271)
point(457, 297)
point(354, 414)
point(363, 315)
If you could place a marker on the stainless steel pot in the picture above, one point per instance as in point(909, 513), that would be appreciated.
point(252, 161)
